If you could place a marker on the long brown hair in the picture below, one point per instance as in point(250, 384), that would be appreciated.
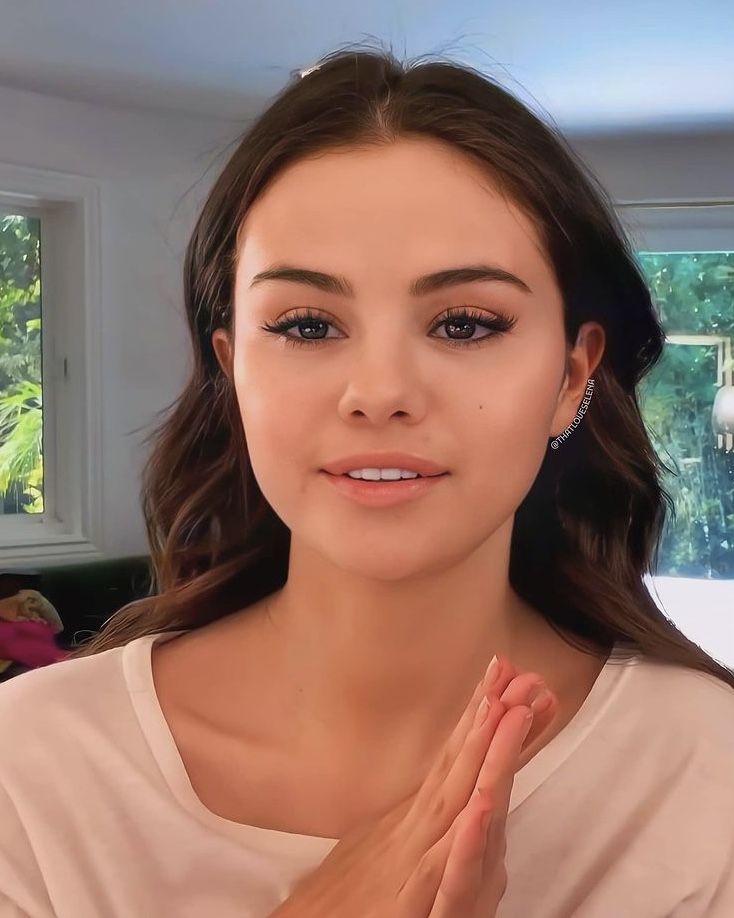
point(588, 530)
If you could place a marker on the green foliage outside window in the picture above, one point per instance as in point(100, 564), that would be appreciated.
point(21, 403)
point(694, 293)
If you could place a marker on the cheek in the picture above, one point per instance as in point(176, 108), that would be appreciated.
point(271, 401)
point(507, 435)
point(277, 421)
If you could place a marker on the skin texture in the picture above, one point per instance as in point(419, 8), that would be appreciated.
point(389, 615)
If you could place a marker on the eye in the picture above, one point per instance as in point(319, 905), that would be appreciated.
point(304, 319)
point(463, 318)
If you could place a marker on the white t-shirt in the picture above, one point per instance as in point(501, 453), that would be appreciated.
point(627, 813)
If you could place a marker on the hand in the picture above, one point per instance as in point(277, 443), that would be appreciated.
point(430, 856)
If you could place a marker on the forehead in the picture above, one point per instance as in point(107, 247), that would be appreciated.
point(413, 204)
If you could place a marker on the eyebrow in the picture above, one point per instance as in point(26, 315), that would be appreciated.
point(427, 283)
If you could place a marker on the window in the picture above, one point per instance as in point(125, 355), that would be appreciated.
point(687, 256)
point(50, 409)
point(687, 401)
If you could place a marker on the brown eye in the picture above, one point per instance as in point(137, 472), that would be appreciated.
point(464, 320)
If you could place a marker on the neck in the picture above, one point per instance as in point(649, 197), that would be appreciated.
point(364, 662)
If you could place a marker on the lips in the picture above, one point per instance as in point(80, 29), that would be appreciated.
point(386, 480)
point(383, 493)
point(426, 468)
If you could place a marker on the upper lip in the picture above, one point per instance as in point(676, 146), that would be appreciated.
point(384, 460)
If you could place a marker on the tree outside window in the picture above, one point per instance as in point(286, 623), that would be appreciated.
point(694, 293)
point(21, 402)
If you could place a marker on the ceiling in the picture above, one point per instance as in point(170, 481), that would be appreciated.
point(593, 66)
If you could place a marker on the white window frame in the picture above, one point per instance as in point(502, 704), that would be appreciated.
point(70, 527)
point(701, 608)
point(679, 226)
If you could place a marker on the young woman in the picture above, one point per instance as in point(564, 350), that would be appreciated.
point(401, 271)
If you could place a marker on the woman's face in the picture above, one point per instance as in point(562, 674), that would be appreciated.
point(387, 374)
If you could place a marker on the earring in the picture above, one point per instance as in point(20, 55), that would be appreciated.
point(556, 441)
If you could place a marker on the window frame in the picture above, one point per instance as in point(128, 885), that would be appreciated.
point(699, 607)
point(70, 527)
point(679, 226)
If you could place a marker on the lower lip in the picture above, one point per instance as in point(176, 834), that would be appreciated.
point(383, 493)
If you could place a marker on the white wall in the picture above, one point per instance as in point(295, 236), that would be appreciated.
point(145, 164)
point(658, 167)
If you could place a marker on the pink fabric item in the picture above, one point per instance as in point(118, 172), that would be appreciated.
point(29, 643)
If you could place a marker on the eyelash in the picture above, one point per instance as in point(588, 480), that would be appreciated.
point(497, 325)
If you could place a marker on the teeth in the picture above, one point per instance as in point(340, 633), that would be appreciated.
point(382, 474)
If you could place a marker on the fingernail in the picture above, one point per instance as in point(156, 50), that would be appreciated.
point(541, 702)
point(492, 671)
point(482, 712)
point(536, 689)
point(528, 723)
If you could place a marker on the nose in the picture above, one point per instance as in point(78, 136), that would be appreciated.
point(384, 384)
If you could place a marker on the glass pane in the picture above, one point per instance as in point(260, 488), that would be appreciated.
point(694, 292)
point(21, 412)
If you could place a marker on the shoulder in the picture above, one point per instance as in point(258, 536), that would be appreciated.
point(45, 708)
point(690, 690)
point(682, 710)
point(68, 676)
point(53, 719)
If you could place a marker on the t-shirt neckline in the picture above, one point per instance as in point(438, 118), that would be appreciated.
point(138, 673)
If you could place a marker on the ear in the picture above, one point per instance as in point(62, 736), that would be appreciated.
point(580, 365)
point(222, 344)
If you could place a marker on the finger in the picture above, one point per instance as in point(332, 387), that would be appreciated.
point(424, 826)
point(463, 774)
point(459, 733)
point(417, 801)
point(504, 748)
point(542, 719)
point(518, 692)
point(418, 893)
point(494, 875)
point(494, 684)
point(449, 873)
point(494, 870)
point(447, 788)
point(498, 799)
point(513, 689)
point(442, 766)
point(462, 879)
